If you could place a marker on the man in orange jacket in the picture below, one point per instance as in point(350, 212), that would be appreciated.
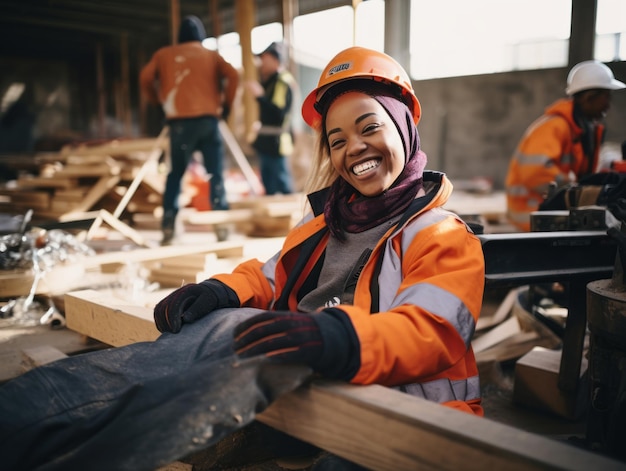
point(563, 145)
point(195, 86)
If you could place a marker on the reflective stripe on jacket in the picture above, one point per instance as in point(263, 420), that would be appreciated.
point(416, 302)
point(186, 79)
point(551, 150)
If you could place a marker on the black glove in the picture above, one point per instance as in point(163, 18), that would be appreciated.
point(191, 302)
point(225, 112)
point(326, 341)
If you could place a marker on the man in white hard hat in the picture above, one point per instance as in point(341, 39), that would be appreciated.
point(562, 145)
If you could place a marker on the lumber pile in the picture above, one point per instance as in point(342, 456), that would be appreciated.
point(79, 178)
point(259, 216)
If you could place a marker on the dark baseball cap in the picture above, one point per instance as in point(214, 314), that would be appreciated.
point(275, 49)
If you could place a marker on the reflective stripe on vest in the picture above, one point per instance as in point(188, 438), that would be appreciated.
point(531, 159)
point(517, 191)
point(444, 390)
point(432, 298)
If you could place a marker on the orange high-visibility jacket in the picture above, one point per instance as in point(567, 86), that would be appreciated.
point(416, 302)
point(186, 79)
point(550, 151)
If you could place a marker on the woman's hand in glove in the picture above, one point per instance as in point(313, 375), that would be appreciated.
point(191, 302)
point(322, 340)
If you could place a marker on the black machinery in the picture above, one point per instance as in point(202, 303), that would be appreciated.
point(606, 317)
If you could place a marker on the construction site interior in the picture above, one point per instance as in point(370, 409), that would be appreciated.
point(83, 199)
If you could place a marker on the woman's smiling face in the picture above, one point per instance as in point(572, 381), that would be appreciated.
point(365, 145)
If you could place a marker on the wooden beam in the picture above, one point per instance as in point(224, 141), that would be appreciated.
point(174, 20)
point(245, 14)
point(374, 426)
point(104, 317)
point(384, 429)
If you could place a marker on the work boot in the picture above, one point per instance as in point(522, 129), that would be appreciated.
point(168, 236)
point(221, 232)
point(168, 225)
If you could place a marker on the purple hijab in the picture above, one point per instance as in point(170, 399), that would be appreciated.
point(346, 209)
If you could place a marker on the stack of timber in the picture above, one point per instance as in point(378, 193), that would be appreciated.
point(258, 216)
point(79, 178)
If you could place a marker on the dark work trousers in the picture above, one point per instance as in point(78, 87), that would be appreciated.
point(187, 136)
point(275, 174)
point(140, 406)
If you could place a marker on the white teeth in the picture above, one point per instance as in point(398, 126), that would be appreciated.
point(360, 169)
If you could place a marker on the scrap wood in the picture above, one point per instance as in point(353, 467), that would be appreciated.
point(114, 260)
point(374, 426)
point(114, 147)
point(155, 153)
point(104, 317)
point(502, 312)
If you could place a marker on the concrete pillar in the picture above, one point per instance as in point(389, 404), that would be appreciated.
point(583, 31)
point(397, 31)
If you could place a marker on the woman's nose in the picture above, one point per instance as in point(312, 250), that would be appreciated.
point(356, 146)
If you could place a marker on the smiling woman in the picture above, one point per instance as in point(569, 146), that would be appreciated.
point(378, 284)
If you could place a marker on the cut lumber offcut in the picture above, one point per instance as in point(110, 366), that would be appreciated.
point(111, 260)
point(114, 148)
point(503, 311)
point(97, 191)
point(103, 216)
point(113, 321)
point(496, 335)
point(218, 217)
point(374, 426)
point(130, 191)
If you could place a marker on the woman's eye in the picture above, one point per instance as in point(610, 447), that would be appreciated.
point(336, 143)
point(370, 127)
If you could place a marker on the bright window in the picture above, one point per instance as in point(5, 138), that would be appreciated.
point(460, 37)
point(611, 31)
point(229, 44)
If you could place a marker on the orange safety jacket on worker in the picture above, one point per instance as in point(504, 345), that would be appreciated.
point(416, 302)
point(551, 150)
point(189, 79)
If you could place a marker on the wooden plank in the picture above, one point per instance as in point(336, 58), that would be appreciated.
point(34, 199)
point(104, 317)
point(116, 147)
point(384, 429)
point(46, 182)
point(80, 171)
point(97, 191)
point(377, 427)
point(218, 217)
point(109, 259)
point(503, 311)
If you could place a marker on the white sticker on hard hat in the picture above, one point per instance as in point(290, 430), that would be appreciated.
point(340, 68)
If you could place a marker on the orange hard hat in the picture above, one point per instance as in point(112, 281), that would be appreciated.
point(358, 63)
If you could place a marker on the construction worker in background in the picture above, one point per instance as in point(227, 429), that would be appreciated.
point(274, 140)
point(195, 87)
point(563, 145)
